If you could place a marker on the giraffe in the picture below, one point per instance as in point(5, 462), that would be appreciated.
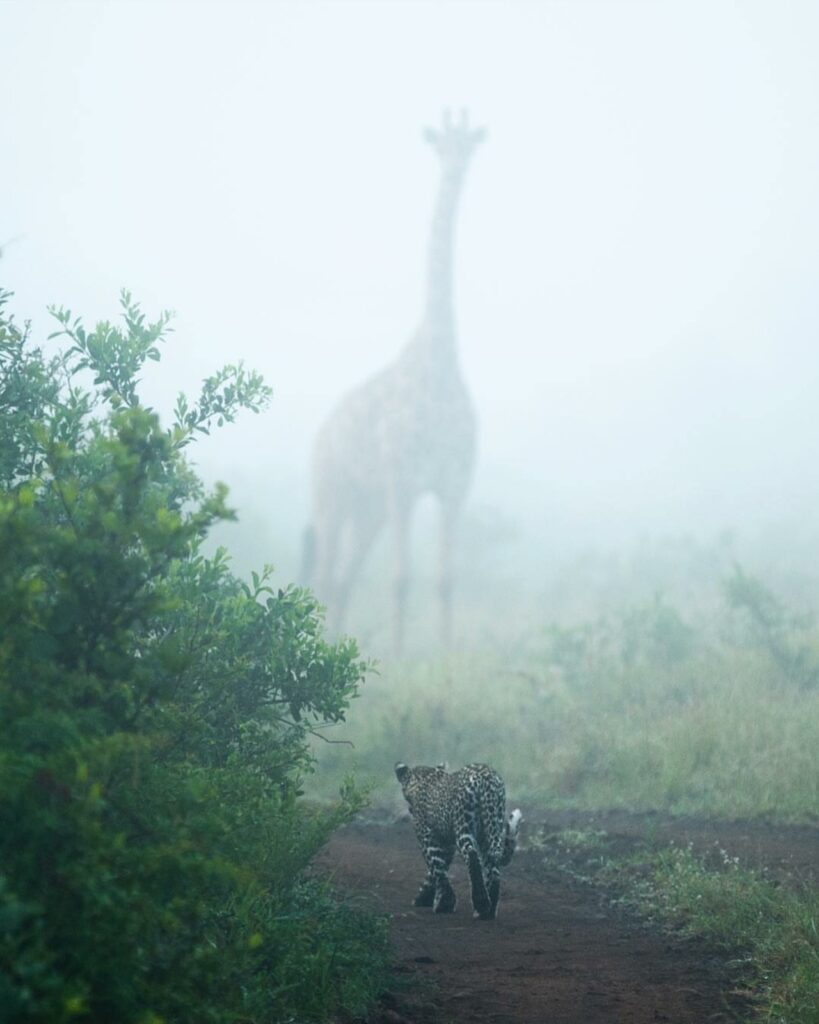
point(407, 431)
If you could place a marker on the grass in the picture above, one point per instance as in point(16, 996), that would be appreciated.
point(767, 929)
point(719, 733)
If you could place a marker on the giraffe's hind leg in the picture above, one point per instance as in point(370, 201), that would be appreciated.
point(326, 541)
point(400, 516)
point(450, 511)
point(363, 531)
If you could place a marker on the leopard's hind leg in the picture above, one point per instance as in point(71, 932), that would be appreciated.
point(501, 851)
point(436, 890)
point(494, 833)
point(470, 851)
point(426, 894)
point(493, 887)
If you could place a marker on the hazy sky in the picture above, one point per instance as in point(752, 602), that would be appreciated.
point(638, 245)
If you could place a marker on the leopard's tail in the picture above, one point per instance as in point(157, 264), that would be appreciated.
point(510, 837)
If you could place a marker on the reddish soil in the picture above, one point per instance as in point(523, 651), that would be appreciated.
point(557, 954)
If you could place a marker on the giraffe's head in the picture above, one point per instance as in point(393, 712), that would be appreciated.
point(455, 143)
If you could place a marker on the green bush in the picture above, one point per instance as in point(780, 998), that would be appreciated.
point(156, 714)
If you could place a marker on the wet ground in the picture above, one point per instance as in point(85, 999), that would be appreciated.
point(558, 952)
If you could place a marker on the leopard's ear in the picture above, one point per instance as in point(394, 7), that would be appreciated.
point(401, 772)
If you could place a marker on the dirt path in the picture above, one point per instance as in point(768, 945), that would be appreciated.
point(555, 955)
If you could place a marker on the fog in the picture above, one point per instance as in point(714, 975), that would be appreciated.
point(637, 246)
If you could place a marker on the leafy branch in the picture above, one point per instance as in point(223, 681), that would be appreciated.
point(223, 395)
point(115, 357)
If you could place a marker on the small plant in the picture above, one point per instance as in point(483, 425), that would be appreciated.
point(767, 929)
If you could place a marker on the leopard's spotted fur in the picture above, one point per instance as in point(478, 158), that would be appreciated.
point(464, 810)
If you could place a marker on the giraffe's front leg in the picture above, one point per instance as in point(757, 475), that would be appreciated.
point(399, 510)
point(363, 531)
point(449, 516)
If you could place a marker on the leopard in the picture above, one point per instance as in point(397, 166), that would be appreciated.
point(463, 810)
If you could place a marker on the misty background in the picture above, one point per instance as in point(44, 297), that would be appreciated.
point(636, 262)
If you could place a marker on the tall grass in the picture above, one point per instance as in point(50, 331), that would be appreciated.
point(646, 711)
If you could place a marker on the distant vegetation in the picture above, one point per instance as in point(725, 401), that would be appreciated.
point(713, 709)
point(156, 713)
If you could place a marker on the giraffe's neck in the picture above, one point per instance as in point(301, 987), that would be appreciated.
point(439, 313)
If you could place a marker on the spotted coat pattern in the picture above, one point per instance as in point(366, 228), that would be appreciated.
point(463, 810)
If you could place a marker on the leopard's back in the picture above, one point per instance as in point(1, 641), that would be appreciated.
point(482, 796)
point(445, 804)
